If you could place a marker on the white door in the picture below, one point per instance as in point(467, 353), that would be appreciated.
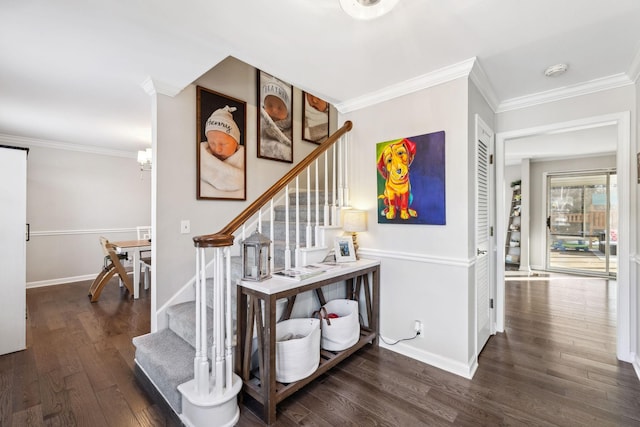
point(484, 252)
point(13, 216)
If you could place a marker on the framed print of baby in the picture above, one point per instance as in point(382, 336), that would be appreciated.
point(221, 155)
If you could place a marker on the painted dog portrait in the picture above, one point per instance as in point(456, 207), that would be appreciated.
point(411, 180)
point(393, 165)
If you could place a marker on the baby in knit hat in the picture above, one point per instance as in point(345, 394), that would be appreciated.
point(222, 157)
point(275, 128)
point(316, 119)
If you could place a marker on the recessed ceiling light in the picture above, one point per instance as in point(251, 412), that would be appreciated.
point(556, 70)
point(367, 9)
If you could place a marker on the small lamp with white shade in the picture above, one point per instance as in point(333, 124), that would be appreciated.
point(353, 222)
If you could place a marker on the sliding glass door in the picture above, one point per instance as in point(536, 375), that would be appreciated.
point(582, 215)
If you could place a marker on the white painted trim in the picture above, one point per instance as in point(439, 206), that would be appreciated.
point(569, 157)
point(596, 85)
point(450, 365)
point(45, 233)
point(636, 365)
point(626, 302)
point(185, 294)
point(154, 87)
point(60, 281)
point(56, 145)
point(443, 75)
point(634, 68)
point(406, 256)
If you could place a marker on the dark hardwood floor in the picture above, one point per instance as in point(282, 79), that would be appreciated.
point(554, 365)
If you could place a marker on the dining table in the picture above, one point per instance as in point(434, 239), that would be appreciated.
point(135, 246)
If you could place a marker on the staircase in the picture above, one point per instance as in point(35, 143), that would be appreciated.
point(189, 366)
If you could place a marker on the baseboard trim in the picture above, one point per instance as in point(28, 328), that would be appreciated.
point(60, 281)
point(461, 369)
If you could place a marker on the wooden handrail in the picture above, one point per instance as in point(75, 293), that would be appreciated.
point(225, 236)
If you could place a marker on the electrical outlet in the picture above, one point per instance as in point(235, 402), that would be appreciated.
point(417, 327)
point(185, 226)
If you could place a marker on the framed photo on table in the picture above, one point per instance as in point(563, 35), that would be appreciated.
point(275, 118)
point(315, 118)
point(220, 146)
point(344, 249)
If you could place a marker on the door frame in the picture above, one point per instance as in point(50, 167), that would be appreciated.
point(626, 303)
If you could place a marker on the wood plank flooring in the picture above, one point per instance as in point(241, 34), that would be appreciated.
point(554, 365)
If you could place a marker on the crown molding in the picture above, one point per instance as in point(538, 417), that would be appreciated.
point(480, 79)
point(596, 85)
point(443, 75)
point(634, 68)
point(154, 87)
point(22, 141)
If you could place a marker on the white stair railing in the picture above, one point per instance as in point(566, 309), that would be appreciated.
point(210, 396)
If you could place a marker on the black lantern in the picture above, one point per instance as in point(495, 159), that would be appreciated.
point(256, 257)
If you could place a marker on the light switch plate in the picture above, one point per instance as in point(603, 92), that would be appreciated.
point(185, 226)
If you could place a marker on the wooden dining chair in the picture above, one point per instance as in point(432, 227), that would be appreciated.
point(144, 233)
point(112, 266)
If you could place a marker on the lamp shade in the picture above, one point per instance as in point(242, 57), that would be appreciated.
point(354, 220)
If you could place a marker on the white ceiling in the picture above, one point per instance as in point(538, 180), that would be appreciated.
point(72, 71)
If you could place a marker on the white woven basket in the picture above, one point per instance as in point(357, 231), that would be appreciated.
point(298, 356)
point(344, 331)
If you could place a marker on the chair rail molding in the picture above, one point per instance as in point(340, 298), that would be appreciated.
point(44, 233)
point(415, 257)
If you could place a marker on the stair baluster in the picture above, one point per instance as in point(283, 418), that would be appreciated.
point(200, 362)
point(229, 325)
point(308, 238)
point(219, 315)
point(334, 199)
point(272, 261)
point(287, 247)
point(327, 216)
point(297, 222)
point(346, 200)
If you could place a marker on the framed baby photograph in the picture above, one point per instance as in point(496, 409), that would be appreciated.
point(315, 118)
point(344, 249)
point(220, 146)
point(275, 118)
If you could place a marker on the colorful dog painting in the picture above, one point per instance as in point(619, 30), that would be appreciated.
point(393, 165)
point(411, 180)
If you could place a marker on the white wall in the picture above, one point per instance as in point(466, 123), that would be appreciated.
point(176, 173)
point(73, 197)
point(425, 272)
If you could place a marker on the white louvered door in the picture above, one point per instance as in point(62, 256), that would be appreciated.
point(483, 234)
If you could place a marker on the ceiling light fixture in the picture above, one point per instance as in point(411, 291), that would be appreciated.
point(556, 70)
point(367, 9)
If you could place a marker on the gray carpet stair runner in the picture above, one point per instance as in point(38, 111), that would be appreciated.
point(166, 356)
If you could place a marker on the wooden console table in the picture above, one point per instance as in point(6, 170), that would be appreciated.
point(254, 298)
